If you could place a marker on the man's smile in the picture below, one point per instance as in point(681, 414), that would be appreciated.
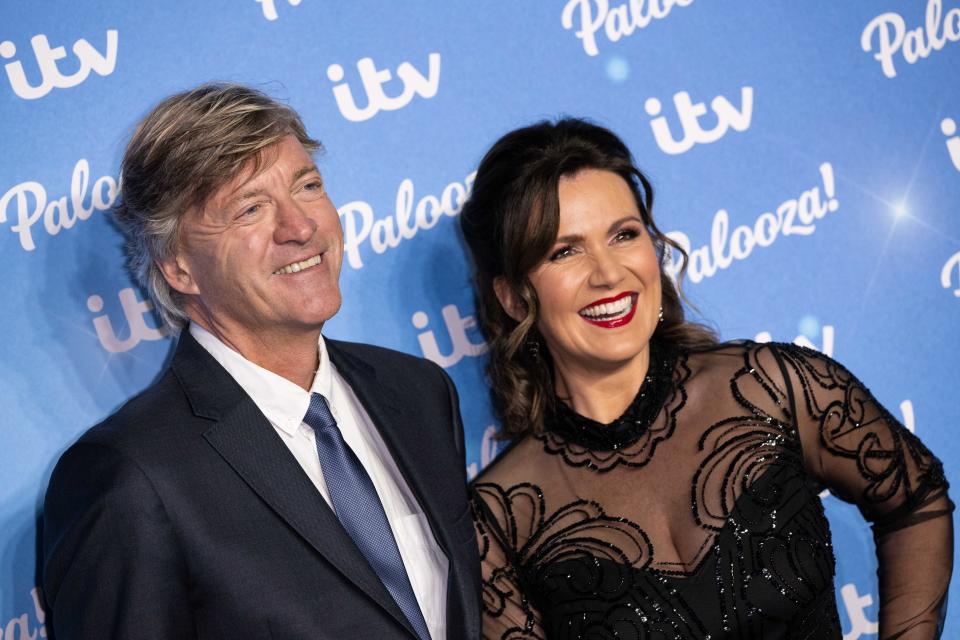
point(296, 267)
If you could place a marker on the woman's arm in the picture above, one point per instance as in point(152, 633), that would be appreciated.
point(861, 452)
point(507, 611)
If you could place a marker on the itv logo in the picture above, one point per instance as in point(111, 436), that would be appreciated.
point(373, 80)
point(134, 324)
point(47, 57)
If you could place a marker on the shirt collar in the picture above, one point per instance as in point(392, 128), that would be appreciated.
point(281, 401)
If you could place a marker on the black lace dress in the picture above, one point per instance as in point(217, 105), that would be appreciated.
point(696, 514)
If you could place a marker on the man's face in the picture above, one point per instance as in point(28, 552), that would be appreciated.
point(261, 260)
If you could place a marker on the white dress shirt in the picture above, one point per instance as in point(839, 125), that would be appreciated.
point(285, 404)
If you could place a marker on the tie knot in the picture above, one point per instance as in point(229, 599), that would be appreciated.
point(319, 415)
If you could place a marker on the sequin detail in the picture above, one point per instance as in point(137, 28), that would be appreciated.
point(696, 514)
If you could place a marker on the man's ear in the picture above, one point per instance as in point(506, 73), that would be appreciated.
point(177, 274)
point(509, 300)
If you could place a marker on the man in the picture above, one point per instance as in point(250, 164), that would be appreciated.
point(272, 483)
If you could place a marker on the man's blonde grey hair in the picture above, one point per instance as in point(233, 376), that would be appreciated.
point(190, 145)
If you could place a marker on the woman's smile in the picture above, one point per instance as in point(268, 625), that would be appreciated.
point(611, 312)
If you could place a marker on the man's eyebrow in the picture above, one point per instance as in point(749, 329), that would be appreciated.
point(243, 196)
point(253, 193)
point(304, 170)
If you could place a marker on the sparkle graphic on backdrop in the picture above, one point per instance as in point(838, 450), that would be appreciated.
point(900, 212)
point(773, 141)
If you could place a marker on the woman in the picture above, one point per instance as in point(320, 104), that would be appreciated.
point(661, 485)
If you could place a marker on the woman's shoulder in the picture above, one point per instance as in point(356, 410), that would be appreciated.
point(726, 356)
point(776, 367)
point(750, 354)
point(512, 464)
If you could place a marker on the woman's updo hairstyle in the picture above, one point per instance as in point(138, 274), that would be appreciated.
point(510, 223)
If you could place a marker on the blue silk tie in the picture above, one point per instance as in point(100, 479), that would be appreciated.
point(361, 513)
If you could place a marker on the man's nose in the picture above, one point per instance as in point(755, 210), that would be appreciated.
point(293, 224)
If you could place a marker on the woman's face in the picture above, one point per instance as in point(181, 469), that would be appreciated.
point(599, 287)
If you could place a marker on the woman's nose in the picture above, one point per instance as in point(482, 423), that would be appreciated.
point(607, 270)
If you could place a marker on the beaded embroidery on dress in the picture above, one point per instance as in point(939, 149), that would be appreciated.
point(696, 513)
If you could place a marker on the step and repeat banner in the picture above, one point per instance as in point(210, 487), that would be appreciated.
point(807, 154)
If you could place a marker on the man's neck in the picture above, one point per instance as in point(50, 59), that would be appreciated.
point(294, 357)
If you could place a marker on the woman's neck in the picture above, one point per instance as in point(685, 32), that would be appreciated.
point(601, 394)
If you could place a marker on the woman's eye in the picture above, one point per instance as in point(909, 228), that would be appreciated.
point(561, 253)
point(626, 234)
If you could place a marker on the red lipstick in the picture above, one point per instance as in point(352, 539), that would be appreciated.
point(615, 322)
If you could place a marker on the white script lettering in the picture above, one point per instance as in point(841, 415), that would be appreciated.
point(906, 410)
point(689, 114)
point(795, 216)
point(460, 342)
point(50, 75)
point(270, 8)
point(617, 22)
point(387, 233)
point(134, 311)
point(60, 213)
point(893, 36)
point(951, 267)
point(373, 79)
point(19, 628)
point(949, 128)
point(856, 606)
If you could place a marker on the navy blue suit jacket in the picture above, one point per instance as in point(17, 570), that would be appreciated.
point(184, 515)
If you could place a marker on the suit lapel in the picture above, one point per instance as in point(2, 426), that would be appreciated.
point(399, 430)
point(408, 444)
point(248, 443)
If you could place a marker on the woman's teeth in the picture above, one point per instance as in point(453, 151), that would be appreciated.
point(609, 310)
point(299, 266)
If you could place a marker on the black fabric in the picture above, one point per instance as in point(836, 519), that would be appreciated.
point(696, 514)
point(185, 516)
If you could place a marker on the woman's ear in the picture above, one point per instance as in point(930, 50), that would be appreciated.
point(509, 300)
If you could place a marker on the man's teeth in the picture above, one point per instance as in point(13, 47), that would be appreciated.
point(618, 308)
point(299, 266)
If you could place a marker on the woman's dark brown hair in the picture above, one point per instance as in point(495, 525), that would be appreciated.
point(510, 223)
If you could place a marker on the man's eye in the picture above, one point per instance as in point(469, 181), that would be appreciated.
point(314, 185)
point(249, 211)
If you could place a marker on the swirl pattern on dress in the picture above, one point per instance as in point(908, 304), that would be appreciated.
point(696, 514)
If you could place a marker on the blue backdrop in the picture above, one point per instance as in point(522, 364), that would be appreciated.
point(808, 153)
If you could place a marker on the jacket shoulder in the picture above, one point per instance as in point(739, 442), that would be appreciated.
point(397, 365)
point(373, 354)
point(163, 403)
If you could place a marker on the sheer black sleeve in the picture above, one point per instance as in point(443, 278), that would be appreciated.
point(858, 450)
point(507, 612)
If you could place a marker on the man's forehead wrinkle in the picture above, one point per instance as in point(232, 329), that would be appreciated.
point(220, 200)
